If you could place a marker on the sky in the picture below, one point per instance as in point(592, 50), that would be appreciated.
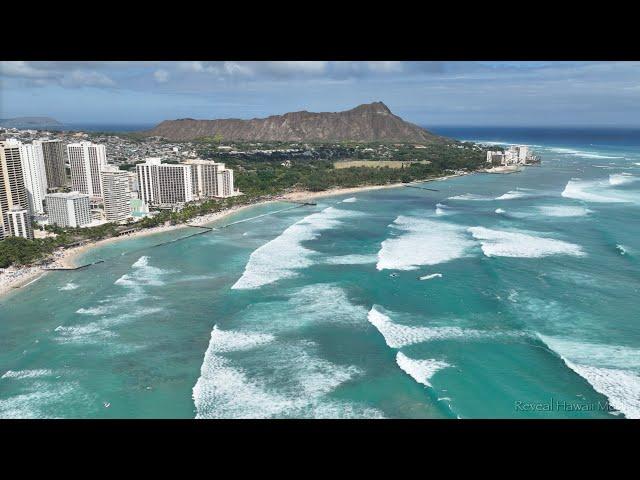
point(427, 93)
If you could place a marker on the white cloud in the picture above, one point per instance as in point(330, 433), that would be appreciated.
point(286, 68)
point(385, 67)
point(24, 70)
point(82, 78)
point(161, 76)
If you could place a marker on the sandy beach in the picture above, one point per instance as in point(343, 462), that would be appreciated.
point(13, 278)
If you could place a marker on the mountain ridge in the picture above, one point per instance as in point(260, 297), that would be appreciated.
point(366, 123)
point(29, 122)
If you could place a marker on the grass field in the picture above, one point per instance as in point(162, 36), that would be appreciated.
point(376, 163)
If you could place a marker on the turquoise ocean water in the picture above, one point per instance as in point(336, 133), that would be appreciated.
point(498, 296)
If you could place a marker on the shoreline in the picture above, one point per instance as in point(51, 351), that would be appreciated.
point(68, 258)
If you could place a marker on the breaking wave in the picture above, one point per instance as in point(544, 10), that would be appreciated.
point(398, 336)
point(283, 256)
point(226, 390)
point(68, 286)
point(611, 370)
point(598, 191)
point(564, 211)
point(420, 370)
point(513, 194)
point(622, 179)
point(471, 197)
point(423, 242)
point(429, 277)
point(498, 243)
point(355, 259)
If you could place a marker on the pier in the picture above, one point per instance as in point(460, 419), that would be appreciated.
point(421, 188)
point(73, 268)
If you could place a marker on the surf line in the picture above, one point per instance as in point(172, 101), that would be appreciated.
point(204, 230)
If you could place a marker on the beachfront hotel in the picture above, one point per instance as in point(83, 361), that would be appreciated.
point(19, 221)
point(210, 179)
point(69, 209)
point(13, 194)
point(86, 160)
point(514, 155)
point(116, 189)
point(164, 184)
point(34, 174)
point(53, 156)
point(225, 183)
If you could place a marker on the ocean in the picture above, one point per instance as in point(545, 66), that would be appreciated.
point(497, 296)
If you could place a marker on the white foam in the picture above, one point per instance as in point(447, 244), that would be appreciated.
point(564, 211)
point(420, 370)
point(349, 200)
point(622, 179)
point(283, 256)
point(512, 194)
point(621, 249)
point(597, 192)
point(608, 368)
point(143, 274)
point(429, 277)
point(227, 391)
point(500, 211)
point(399, 336)
point(314, 304)
point(423, 242)
point(20, 374)
point(580, 153)
point(229, 340)
point(355, 259)
point(68, 286)
point(471, 197)
point(498, 243)
point(38, 401)
point(442, 209)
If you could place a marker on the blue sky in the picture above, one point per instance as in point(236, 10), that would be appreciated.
point(427, 93)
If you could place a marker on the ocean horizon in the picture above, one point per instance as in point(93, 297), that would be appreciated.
point(495, 296)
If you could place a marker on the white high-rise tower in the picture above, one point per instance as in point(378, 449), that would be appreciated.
point(35, 176)
point(86, 160)
point(115, 188)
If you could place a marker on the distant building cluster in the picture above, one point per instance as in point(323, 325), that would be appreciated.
point(514, 155)
point(35, 186)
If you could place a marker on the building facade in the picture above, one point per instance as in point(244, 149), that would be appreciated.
point(514, 155)
point(13, 193)
point(115, 190)
point(211, 179)
point(53, 155)
point(163, 184)
point(35, 177)
point(19, 221)
point(69, 209)
point(86, 161)
point(225, 183)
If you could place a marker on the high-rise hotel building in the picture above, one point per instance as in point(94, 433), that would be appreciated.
point(164, 184)
point(210, 179)
point(86, 160)
point(225, 182)
point(19, 222)
point(13, 194)
point(116, 190)
point(53, 155)
point(69, 209)
point(35, 176)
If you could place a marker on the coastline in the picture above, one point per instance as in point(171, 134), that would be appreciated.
point(14, 278)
